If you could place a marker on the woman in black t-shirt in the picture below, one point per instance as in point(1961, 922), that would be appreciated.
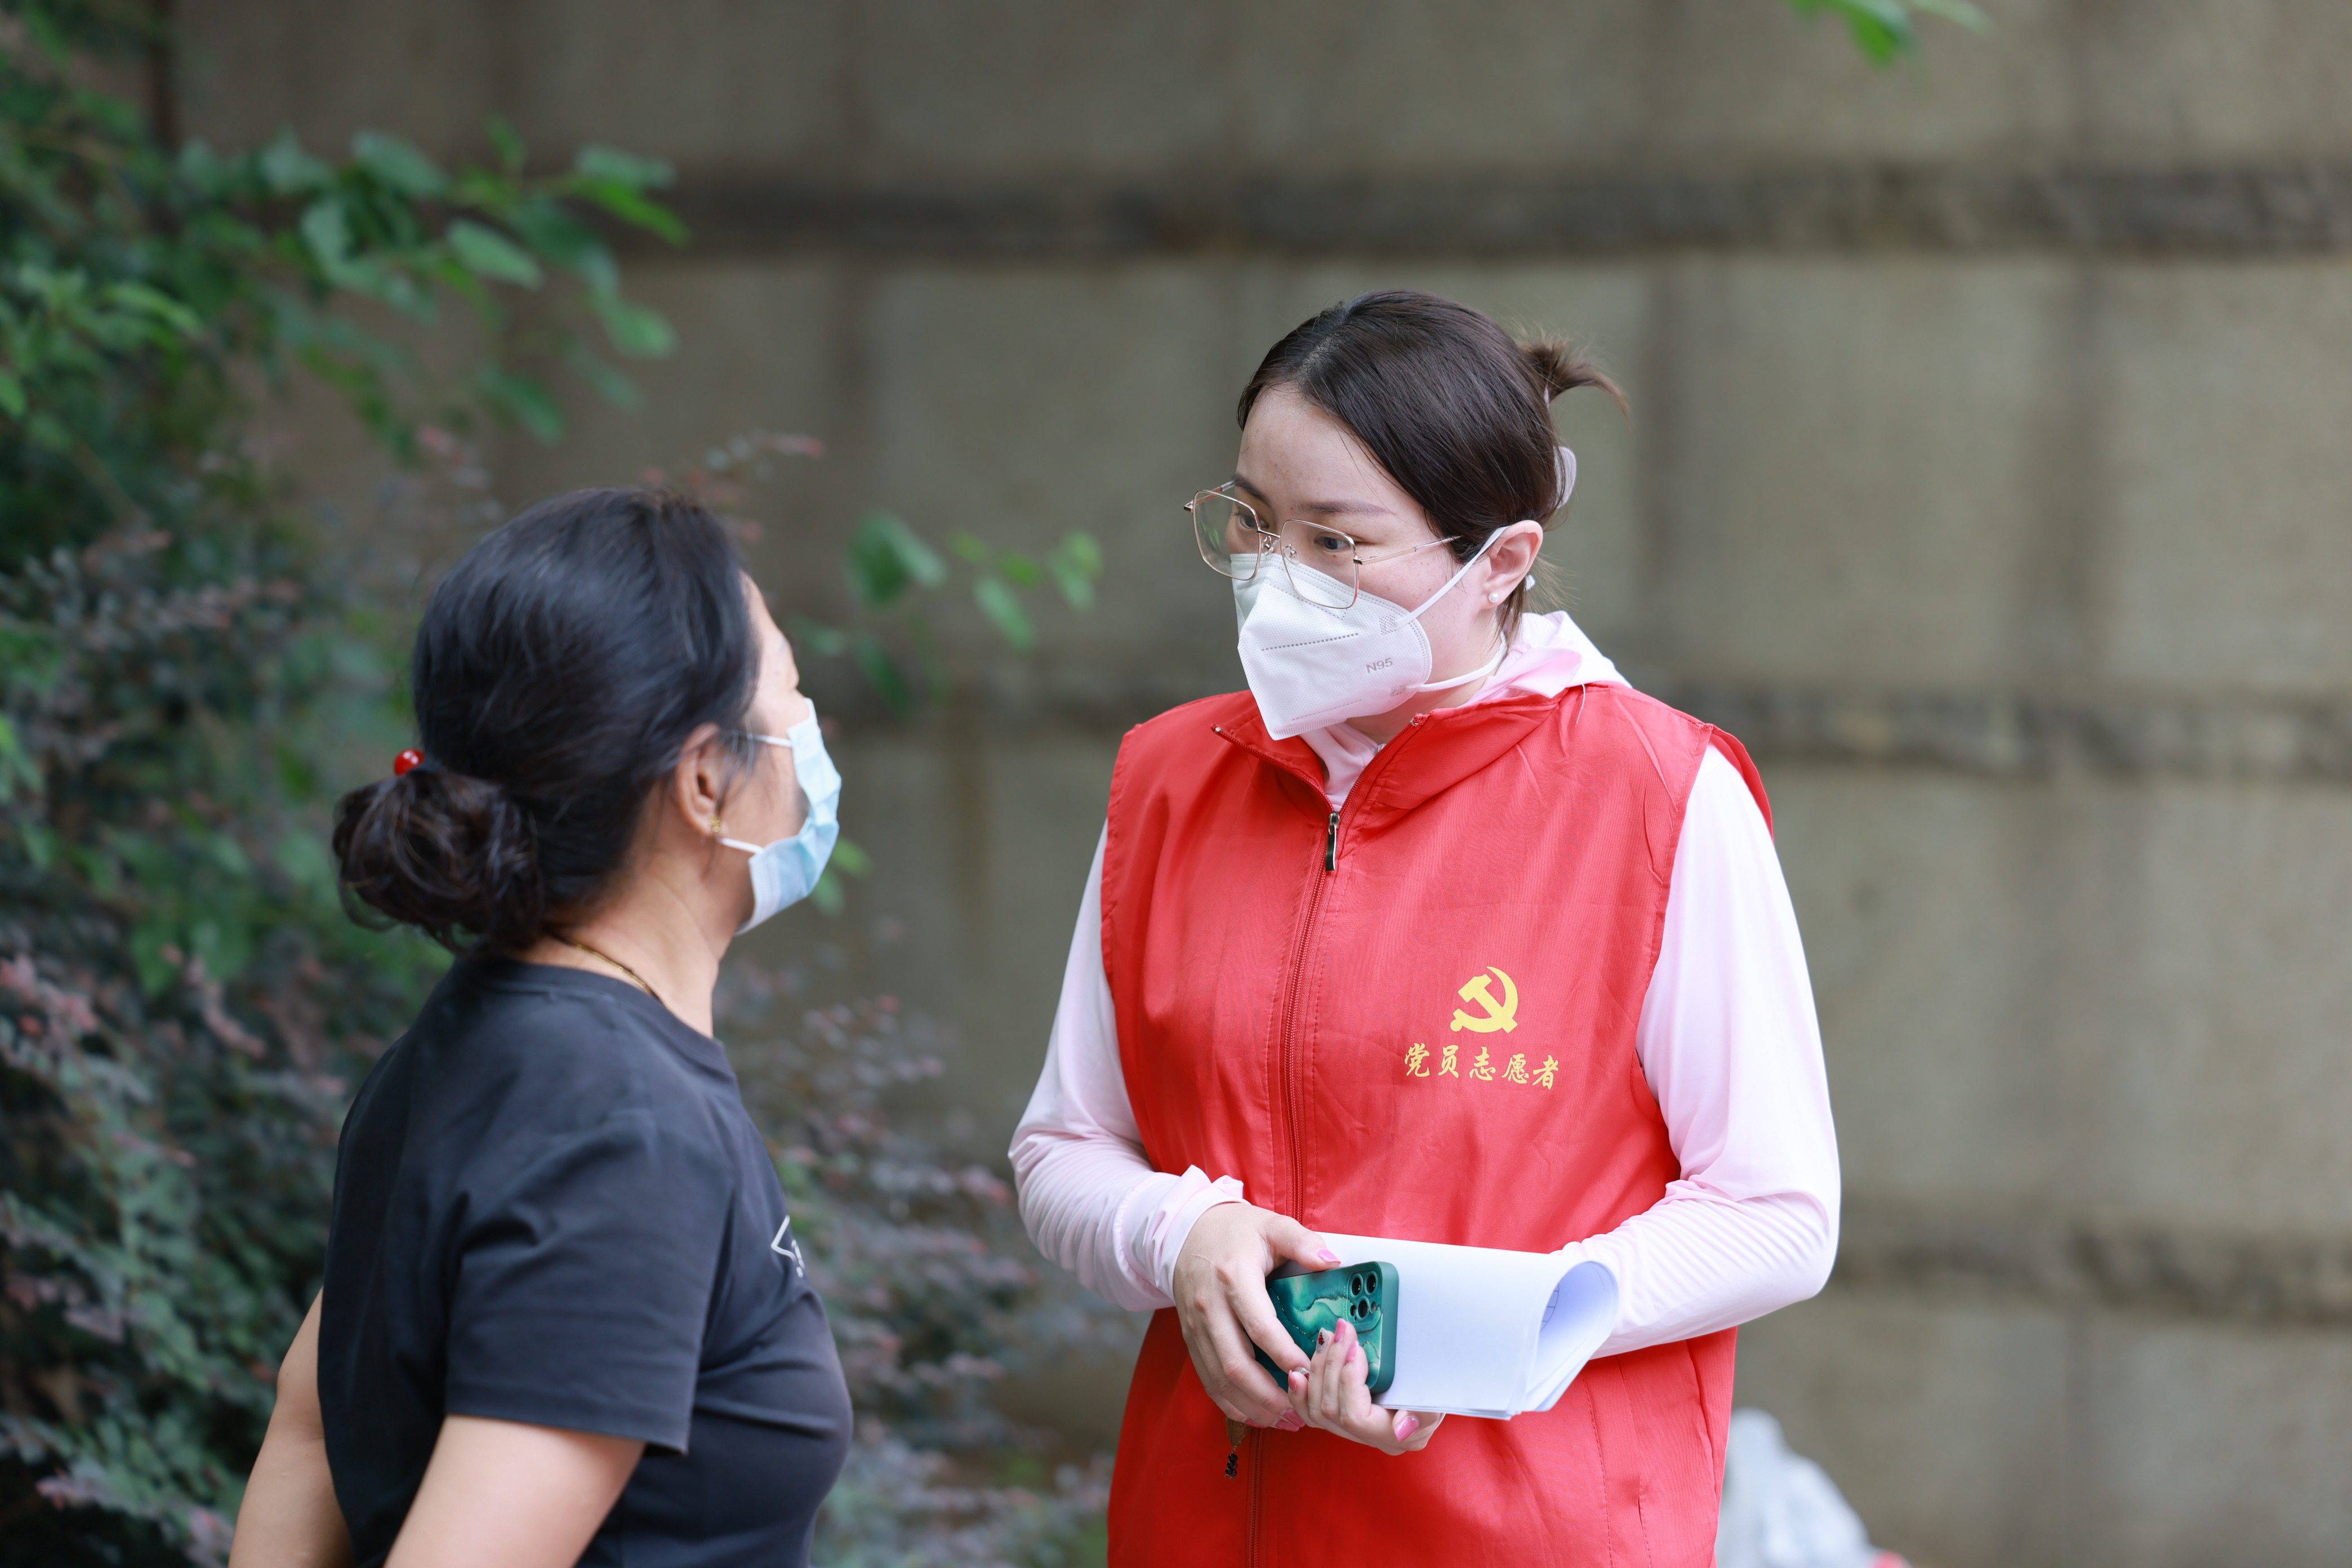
point(565, 1317)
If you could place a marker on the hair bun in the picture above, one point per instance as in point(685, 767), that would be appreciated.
point(1559, 368)
point(442, 852)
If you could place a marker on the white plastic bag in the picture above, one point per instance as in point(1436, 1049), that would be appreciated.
point(1781, 1511)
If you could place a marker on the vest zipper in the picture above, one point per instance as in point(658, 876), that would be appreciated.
point(1257, 1491)
point(1301, 946)
point(1289, 1062)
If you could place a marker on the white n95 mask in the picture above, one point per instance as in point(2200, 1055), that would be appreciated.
point(1309, 666)
point(785, 872)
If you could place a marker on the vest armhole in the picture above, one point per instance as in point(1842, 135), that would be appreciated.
point(1112, 845)
point(1737, 755)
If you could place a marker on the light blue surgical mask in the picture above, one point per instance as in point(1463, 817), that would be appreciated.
point(785, 872)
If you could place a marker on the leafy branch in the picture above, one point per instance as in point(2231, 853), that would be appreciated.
point(137, 281)
point(894, 575)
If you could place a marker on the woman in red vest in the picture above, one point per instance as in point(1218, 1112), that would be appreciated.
point(1442, 932)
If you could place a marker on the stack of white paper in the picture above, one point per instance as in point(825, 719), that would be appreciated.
point(1482, 1331)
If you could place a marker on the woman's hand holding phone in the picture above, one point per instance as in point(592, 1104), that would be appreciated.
point(1223, 1307)
point(1329, 1392)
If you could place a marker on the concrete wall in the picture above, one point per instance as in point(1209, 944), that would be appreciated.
point(1988, 474)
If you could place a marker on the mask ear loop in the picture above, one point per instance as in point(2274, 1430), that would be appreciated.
point(1501, 653)
point(1416, 614)
point(1481, 673)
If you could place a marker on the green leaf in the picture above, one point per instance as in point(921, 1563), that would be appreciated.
point(1003, 606)
point(48, 432)
point(817, 638)
point(47, 35)
point(228, 855)
point(852, 860)
point(12, 394)
point(507, 144)
point(611, 385)
point(1881, 29)
point(882, 673)
point(226, 947)
point(40, 845)
point(16, 767)
point(148, 940)
point(636, 331)
point(887, 558)
point(303, 856)
point(206, 170)
point(524, 400)
point(489, 254)
point(566, 242)
point(635, 209)
point(156, 303)
point(328, 232)
point(398, 164)
point(1075, 564)
point(289, 171)
point(610, 165)
point(827, 895)
point(1884, 29)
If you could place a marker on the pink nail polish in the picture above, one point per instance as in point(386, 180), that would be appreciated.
point(1406, 1425)
point(1290, 1422)
point(1327, 1255)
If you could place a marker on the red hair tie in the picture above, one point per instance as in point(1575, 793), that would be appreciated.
point(407, 759)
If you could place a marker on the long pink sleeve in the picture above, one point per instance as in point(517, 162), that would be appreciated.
point(1091, 1201)
point(1730, 1045)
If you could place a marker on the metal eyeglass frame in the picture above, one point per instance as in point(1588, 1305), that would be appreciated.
point(1356, 561)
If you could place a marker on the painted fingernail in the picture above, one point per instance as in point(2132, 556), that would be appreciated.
point(1290, 1422)
point(1322, 1336)
point(1327, 1255)
point(1407, 1424)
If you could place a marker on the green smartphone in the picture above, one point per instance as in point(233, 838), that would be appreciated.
point(1363, 1294)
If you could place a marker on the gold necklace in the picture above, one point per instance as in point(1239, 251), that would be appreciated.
point(608, 958)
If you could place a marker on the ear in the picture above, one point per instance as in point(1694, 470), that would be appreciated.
point(698, 785)
point(1510, 558)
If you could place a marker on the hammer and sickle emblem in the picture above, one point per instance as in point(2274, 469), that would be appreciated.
point(1503, 1014)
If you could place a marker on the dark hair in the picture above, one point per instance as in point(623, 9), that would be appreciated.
point(559, 668)
point(1454, 409)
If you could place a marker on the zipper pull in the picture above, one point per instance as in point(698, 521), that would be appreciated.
point(1331, 844)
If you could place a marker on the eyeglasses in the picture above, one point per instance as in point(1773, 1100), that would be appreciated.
point(1320, 561)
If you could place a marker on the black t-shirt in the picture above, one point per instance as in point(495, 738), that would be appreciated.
point(550, 1206)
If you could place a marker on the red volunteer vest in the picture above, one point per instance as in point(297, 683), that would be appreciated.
point(1413, 1018)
